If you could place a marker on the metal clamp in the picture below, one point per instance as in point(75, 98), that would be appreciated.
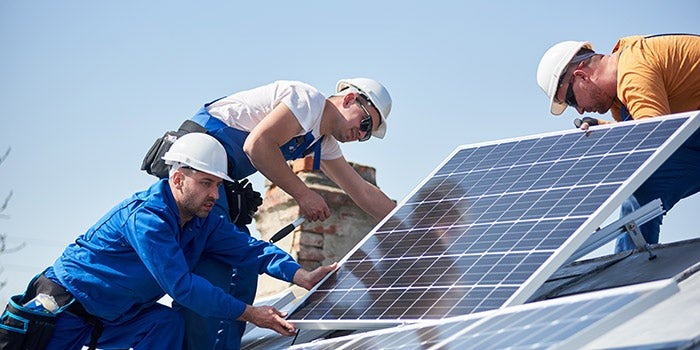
point(618, 227)
point(633, 231)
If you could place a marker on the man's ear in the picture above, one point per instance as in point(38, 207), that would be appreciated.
point(581, 74)
point(349, 99)
point(178, 179)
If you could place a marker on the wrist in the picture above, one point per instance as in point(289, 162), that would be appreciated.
point(299, 277)
point(246, 315)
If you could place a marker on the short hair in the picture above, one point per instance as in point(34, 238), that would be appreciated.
point(583, 55)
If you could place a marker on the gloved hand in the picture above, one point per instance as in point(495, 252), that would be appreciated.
point(243, 201)
point(588, 120)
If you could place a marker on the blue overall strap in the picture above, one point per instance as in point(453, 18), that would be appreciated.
point(669, 34)
point(301, 146)
point(625, 114)
point(317, 154)
point(206, 120)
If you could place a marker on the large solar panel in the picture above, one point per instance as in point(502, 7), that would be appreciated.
point(568, 322)
point(490, 224)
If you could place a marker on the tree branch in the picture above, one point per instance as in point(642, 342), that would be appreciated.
point(4, 156)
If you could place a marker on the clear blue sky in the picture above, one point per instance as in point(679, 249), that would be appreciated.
point(86, 86)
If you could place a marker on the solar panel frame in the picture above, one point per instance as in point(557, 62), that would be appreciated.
point(518, 293)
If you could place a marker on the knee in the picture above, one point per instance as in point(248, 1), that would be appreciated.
point(629, 205)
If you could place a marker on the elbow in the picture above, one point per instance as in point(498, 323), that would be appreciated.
point(249, 147)
point(256, 144)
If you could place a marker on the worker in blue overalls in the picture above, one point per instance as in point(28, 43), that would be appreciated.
point(643, 77)
point(145, 247)
point(263, 127)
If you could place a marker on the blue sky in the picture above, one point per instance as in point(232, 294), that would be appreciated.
point(86, 86)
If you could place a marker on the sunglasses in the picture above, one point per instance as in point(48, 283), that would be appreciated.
point(570, 97)
point(366, 123)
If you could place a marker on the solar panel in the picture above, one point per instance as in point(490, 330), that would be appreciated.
point(415, 336)
point(567, 322)
point(490, 225)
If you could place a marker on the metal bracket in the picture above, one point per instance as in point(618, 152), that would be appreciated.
point(636, 235)
point(602, 236)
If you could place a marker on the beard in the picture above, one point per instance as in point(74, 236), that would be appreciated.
point(603, 101)
point(194, 206)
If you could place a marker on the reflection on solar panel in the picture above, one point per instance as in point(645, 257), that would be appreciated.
point(568, 322)
point(490, 224)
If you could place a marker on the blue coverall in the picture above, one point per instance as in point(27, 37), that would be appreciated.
point(136, 253)
point(677, 178)
point(207, 333)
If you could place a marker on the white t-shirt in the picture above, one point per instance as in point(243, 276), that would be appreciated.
point(244, 110)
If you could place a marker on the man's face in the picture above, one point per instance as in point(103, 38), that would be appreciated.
point(199, 193)
point(361, 117)
point(582, 93)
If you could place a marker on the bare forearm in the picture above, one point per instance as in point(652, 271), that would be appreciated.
point(367, 196)
point(374, 202)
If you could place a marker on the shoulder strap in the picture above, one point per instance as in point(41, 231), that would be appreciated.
point(316, 149)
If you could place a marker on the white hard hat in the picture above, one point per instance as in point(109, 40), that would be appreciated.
point(552, 66)
point(201, 152)
point(377, 95)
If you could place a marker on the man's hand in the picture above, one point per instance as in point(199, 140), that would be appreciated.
point(268, 317)
point(585, 123)
point(308, 280)
point(243, 201)
point(313, 207)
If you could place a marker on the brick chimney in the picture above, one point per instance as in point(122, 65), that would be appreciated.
point(313, 243)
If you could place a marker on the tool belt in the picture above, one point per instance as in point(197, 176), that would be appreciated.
point(153, 162)
point(24, 328)
point(242, 200)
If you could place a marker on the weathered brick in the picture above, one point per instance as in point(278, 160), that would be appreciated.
point(310, 253)
point(310, 239)
point(309, 265)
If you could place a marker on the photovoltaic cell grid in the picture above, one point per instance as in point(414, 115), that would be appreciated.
point(564, 323)
point(538, 325)
point(539, 328)
point(411, 337)
point(477, 229)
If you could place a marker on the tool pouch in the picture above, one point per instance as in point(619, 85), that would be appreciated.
point(28, 329)
point(153, 162)
point(22, 328)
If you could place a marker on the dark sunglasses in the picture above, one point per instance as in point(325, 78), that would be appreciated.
point(570, 97)
point(366, 123)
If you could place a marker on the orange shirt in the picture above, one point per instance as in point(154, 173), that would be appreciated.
point(658, 76)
